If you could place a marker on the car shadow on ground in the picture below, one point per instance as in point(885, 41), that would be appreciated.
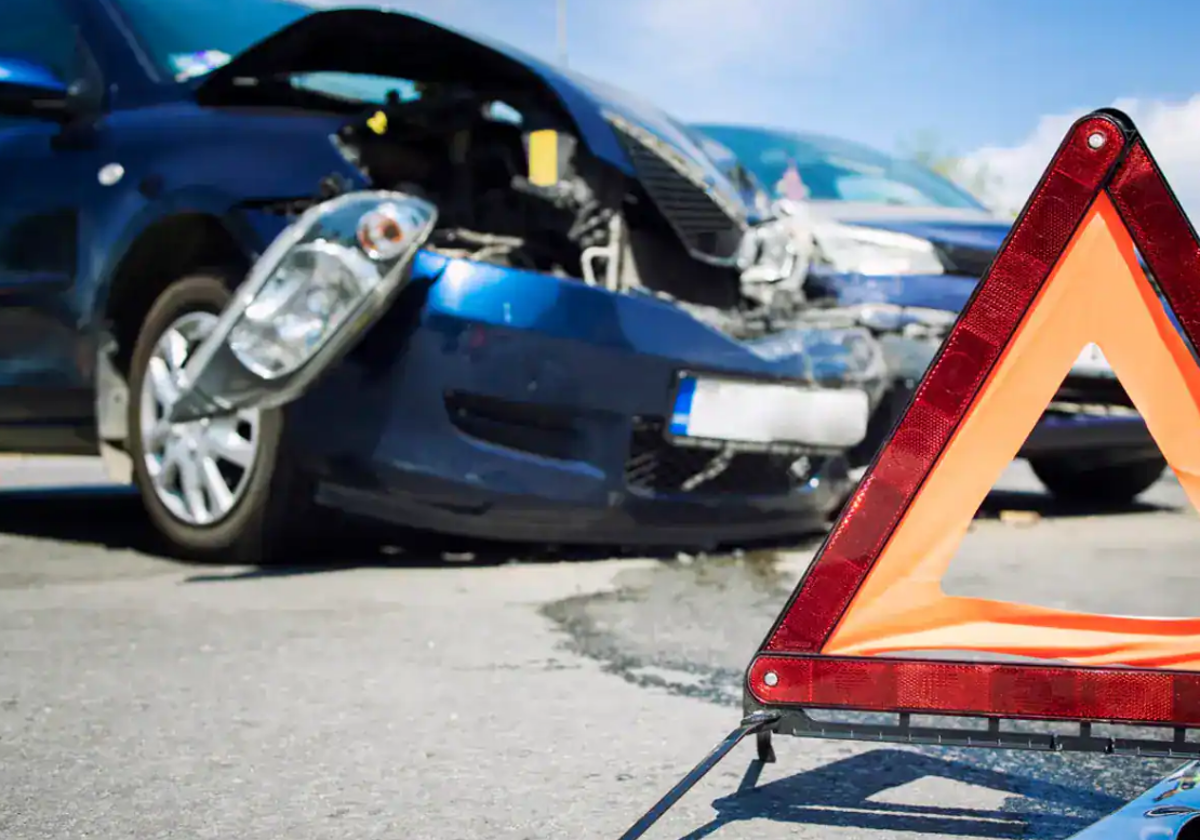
point(853, 793)
point(1000, 503)
point(112, 517)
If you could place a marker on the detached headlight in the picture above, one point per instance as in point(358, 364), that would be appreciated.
point(853, 249)
point(307, 300)
point(311, 293)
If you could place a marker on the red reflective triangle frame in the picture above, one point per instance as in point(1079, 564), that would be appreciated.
point(789, 669)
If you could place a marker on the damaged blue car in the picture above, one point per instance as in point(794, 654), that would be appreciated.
point(269, 261)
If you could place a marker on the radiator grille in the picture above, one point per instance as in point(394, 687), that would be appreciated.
point(697, 216)
point(657, 466)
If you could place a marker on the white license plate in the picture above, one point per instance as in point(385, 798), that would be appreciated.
point(1091, 362)
point(762, 412)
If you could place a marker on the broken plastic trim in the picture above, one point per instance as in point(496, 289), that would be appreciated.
point(217, 380)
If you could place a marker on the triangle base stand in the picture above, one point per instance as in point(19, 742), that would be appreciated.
point(988, 733)
point(760, 724)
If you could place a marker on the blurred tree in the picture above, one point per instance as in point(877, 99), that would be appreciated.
point(926, 149)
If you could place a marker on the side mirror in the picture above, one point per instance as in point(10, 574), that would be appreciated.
point(31, 90)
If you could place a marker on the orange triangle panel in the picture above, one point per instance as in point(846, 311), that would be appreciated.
point(1067, 275)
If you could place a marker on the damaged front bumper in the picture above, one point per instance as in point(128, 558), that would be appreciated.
point(502, 403)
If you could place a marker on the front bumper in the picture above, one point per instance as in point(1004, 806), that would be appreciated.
point(503, 404)
point(1059, 434)
point(619, 518)
point(1056, 434)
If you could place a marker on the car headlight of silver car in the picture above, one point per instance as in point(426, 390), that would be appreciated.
point(306, 301)
point(855, 249)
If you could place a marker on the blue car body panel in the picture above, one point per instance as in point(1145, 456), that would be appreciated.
point(489, 401)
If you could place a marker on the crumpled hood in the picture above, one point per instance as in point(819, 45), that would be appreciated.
point(987, 236)
point(394, 44)
point(974, 229)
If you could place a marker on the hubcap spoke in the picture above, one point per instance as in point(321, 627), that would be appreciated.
point(218, 491)
point(165, 472)
point(162, 380)
point(158, 436)
point(173, 347)
point(191, 481)
point(225, 442)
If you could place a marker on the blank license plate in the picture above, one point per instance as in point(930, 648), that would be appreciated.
point(717, 409)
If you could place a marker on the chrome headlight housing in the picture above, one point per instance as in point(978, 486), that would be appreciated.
point(769, 253)
point(306, 301)
point(856, 249)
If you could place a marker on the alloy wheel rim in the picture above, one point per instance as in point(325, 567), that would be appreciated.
point(198, 470)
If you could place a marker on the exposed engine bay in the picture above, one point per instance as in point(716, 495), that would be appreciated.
point(450, 147)
point(516, 188)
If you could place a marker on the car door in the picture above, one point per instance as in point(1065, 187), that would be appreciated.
point(46, 402)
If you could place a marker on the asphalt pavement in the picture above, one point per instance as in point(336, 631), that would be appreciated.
point(424, 689)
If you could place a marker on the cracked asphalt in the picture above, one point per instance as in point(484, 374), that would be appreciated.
point(415, 688)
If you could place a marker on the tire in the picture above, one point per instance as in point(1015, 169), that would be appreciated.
point(273, 498)
point(1112, 483)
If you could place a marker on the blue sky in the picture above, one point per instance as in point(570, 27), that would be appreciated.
point(977, 72)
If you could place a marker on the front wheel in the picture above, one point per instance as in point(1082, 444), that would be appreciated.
point(218, 489)
point(1118, 482)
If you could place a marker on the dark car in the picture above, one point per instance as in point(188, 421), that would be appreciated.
point(906, 247)
point(552, 341)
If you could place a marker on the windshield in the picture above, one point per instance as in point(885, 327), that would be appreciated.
point(806, 166)
point(187, 39)
point(191, 37)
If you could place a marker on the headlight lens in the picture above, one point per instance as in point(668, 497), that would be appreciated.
point(853, 249)
point(310, 294)
point(322, 279)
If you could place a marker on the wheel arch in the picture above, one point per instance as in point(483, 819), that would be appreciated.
point(161, 250)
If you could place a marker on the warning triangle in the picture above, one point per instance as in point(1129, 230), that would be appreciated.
point(869, 626)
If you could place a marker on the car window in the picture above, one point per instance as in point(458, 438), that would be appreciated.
point(190, 38)
point(828, 169)
point(39, 31)
point(357, 87)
